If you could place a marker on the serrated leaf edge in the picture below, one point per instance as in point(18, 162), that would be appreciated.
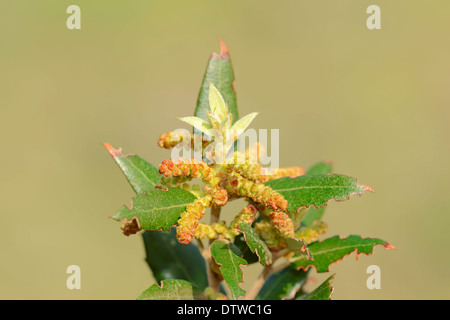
point(256, 249)
point(242, 273)
point(116, 152)
point(365, 188)
point(386, 245)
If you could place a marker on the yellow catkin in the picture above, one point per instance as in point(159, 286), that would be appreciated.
point(170, 140)
point(283, 223)
point(247, 216)
point(292, 172)
point(269, 233)
point(243, 166)
point(204, 231)
point(189, 168)
point(219, 195)
point(312, 233)
point(189, 220)
point(257, 191)
point(211, 232)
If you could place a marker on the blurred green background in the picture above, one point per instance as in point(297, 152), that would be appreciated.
point(376, 103)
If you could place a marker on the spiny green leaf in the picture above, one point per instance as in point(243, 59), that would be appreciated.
point(228, 257)
point(256, 244)
point(141, 175)
point(220, 72)
point(170, 290)
point(316, 213)
point(156, 209)
point(283, 285)
point(332, 250)
point(322, 292)
point(316, 190)
point(169, 259)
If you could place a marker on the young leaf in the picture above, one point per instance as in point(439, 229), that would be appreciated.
point(169, 259)
point(220, 72)
point(256, 244)
point(313, 213)
point(316, 190)
point(228, 257)
point(283, 285)
point(244, 122)
point(197, 123)
point(322, 292)
point(170, 290)
point(141, 175)
point(333, 250)
point(156, 209)
point(217, 105)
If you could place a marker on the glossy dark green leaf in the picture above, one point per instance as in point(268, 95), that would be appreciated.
point(322, 292)
point(316, 213)
point(256, 244)
point(316, 190)
point(332, 250)
point(170, 290)
point(157, 209)
point(228, 257)
point(141, 175)
point(220, 72)
point(283, 285)
point(169, 259)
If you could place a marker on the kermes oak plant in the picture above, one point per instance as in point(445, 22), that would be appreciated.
point(192, 253)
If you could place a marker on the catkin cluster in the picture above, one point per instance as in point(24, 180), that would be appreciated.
point(183, 168)
point(240, 179)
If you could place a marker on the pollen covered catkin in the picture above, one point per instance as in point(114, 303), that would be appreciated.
point(170, 140)
point(189, 168)
point(291, 172)
point(312, 233)
point(189, 220)
point(257, 191)
point(243, 166)
point(283, 223)
point(247, 216)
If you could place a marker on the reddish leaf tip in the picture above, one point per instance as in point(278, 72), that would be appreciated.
point(389, 246)
point(367, 188)
point(223, 49)
point(113, 152)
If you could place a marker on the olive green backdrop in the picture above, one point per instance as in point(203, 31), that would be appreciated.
point(376, 103)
